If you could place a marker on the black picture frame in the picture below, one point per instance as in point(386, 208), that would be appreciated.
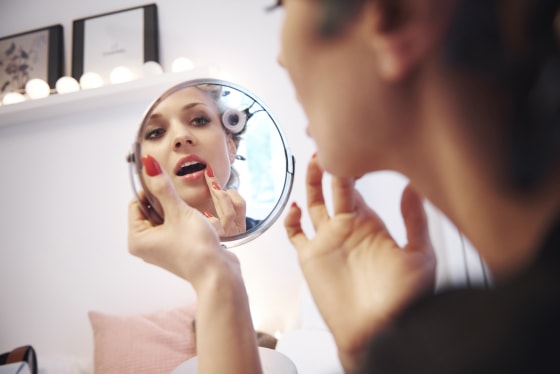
point(38, 53)
point(148, 32)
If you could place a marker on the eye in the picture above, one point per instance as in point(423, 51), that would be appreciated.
point(154, 134)
point(200, 121)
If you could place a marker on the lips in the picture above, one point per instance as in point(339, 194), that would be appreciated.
point(189, 165)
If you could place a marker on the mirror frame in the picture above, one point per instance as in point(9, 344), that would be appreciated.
point(135, 168)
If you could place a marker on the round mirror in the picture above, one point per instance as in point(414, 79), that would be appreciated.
point(224, 152)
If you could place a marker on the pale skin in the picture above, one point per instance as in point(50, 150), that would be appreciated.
point(187, 124)
point(409, 114)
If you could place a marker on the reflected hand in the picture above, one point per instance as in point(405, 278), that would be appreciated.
point(185, 244)
point(230, 208)
point(359, 277)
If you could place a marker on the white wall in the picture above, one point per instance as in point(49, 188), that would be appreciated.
point(64, 186)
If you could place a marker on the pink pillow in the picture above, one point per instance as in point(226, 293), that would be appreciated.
point(150, 343)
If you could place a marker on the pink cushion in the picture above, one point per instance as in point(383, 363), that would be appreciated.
point(150, 343)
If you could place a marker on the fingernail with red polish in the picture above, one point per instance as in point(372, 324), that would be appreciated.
point(294, 205)
point(314, 155)
point(216, 186)
point(208, 215)
point(209, 171)
point(151, 165)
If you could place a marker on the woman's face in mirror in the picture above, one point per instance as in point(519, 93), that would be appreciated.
point(185, 134)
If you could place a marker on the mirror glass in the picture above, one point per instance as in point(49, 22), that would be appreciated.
point(224, 152)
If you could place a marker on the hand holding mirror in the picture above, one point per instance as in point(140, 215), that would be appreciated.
point(224, 152)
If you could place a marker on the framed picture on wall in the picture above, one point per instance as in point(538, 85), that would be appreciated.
point(103, 42)
point(33, 54)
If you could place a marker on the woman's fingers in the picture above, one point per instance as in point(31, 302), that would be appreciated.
point(343, 195)
point(315, 199)
point(292, 224)
point(229, 205)
point(162, 188)
point(415, 219)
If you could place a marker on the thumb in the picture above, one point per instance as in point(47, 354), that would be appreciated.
point(415, 219)
point(167, 201)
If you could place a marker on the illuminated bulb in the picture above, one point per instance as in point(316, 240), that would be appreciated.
point(182, 64)
point(12, 98)
point(277, 335)
point(151, 68)
point(66, 85)
point(37, 88)
point(91, 80)
point(121, 74)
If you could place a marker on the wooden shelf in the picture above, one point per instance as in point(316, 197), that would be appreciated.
point(142, 91)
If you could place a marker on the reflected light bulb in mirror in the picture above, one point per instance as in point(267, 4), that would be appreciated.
point(37, 88)
point(13, 98)
point(90, 80)
point(151, 68)
point(66, 85)
point(121, 74)
point(182, 64)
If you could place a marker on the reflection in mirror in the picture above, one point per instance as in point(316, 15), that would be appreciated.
point(224, 152)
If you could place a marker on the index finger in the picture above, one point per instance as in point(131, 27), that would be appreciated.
point(315, 198)
point(343, 194)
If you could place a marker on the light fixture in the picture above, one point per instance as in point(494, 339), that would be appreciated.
point(121, 74)
point(91, 80)
point(13, 98)
point(151, 68)
point(182, 64)
point(37, 88)
point(66, 85)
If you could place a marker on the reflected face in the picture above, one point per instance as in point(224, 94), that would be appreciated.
point(185, 134)
point(334, 78)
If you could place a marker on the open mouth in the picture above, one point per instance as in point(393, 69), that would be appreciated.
point(190, 167)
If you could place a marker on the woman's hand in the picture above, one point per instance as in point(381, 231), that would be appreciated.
point(230, 208)
point(186, 244)
point(359, 277)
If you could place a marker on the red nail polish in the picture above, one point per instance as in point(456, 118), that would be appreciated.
point(151, 165)
point(314, 155)
point(209, 171)
point(216, 186)
point(294, 205)
point(208, 215)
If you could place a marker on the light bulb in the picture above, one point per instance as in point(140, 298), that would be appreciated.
point(13, 98)
point(121, 74)
point(37, 88)
point(182, 64)
point(91, 80)
point(66, 85)
point(151, 68)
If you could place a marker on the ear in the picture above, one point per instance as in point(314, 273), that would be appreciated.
point(232, 149)
point(401, 41)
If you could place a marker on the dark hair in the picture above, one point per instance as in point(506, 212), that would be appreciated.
point(516, 44)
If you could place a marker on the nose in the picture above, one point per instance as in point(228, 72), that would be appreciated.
point(182, 141)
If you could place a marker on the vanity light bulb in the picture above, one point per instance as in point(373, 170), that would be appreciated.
point(13, 98)
point(151, 68)
point(182, 64)
point(91, 80)
point(121, 74)
point(37, 88)
point(66, 85)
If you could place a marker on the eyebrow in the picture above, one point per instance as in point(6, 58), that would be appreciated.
point(186, 107)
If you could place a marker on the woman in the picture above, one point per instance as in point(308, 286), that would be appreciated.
point(461, 96)
point(187, 133)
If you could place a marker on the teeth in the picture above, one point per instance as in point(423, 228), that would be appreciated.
point(189, 163)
